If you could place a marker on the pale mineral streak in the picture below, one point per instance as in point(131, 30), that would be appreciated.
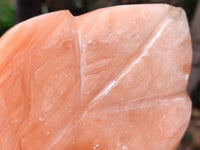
point(111, 79)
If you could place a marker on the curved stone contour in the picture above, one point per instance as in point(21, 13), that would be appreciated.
point(112, 79)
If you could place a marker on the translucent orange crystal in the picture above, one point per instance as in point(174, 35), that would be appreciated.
point(112, 79)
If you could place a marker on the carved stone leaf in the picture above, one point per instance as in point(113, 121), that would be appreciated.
point(112, 79)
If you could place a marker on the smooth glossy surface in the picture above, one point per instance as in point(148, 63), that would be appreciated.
point(112, 79)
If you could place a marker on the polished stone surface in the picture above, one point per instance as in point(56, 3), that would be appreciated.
point(112, 79)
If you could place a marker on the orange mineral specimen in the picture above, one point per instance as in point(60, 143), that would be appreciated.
point(112, 79)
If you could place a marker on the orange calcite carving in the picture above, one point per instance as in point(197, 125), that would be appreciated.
point(112, 79)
